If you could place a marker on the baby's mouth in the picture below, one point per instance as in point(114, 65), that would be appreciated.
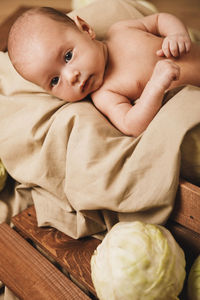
point(85, 84)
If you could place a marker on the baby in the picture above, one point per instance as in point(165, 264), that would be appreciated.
point(138, 60)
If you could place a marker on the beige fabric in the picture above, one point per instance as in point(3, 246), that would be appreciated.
point(13, 84)
point(102, 13)
point(83, 174)
point(8, 295)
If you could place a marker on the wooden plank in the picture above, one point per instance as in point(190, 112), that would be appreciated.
point(30, 275)
point(73, 255)
point(189, 240)
point(187, 206)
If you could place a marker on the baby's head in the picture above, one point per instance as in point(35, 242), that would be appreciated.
point(57, 53)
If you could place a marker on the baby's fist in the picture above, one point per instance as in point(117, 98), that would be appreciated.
point(165, 72)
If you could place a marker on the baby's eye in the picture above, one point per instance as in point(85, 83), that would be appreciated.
point(68, 56)
point(54, 81)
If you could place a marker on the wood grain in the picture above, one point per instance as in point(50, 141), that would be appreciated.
point(28, 274)
point(187, 206)
point(73, 255)
point(187, 239)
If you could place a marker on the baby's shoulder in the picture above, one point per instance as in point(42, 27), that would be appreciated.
point(131, 24)
point(123, 28)
point(118, 26)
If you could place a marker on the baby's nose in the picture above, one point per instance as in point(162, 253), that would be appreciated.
point(73, 77)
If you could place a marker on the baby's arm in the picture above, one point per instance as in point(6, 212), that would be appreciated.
point(133, 120)
point(176, 38)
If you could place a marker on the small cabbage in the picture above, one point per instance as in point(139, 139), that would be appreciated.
point(138, 261)
point(3, 176)
point(193, 285)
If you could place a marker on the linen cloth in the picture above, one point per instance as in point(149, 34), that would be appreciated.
point(82, 174)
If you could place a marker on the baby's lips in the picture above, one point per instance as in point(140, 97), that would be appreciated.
point(82, 85)
point(85, 83)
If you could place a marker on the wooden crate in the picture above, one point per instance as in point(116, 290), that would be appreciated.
point(26, 270)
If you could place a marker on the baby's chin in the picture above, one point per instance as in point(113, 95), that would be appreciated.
point(98, 84)
point(70, 100)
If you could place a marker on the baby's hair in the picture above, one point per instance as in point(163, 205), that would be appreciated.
point(52, 13)
point(20, 25)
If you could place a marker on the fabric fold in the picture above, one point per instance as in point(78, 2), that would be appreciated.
point(83, 174)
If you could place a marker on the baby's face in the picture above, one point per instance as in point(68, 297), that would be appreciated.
point(65, 61)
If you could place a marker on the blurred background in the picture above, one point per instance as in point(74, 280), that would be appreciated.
point(186, 10)
point(8, 7)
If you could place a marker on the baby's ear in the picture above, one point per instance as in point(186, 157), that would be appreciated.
point(84, 26)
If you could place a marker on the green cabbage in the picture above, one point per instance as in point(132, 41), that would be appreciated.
point(138, 261)
point(3, 175)
point(193, 285)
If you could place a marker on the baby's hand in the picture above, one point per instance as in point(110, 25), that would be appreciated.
point(164, 73)
point(175, 45)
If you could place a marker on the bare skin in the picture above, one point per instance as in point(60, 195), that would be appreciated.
point(139, 60)
point(141, 70)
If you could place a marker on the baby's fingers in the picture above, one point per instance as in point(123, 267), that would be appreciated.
point(188, 46)
point(174, 48)
point(184, 47)
point(160, 53)
point(175, 45)
point(166, 48)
